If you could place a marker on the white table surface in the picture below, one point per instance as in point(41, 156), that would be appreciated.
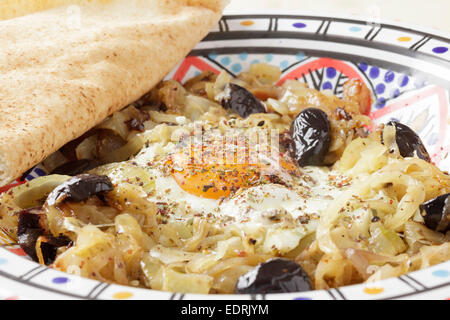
point(433, 14)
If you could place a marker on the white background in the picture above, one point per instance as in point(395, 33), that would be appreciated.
point(428, 13)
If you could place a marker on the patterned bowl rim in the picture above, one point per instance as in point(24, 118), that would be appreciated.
point(27, 280)
point(342, 16)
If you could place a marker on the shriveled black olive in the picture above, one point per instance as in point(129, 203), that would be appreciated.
point(311, 137)
point(274, 276)
point(80, 188)
point(32, 218)
point(436, 213)
point(76, 167)
point(27, 241)
point(408, 141)
point(50, 245)
point(241, 101)
point(31, 226)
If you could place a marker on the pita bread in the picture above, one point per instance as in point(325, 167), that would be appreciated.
point(64, 70)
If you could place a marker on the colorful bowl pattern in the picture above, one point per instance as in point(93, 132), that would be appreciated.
point(408, 72)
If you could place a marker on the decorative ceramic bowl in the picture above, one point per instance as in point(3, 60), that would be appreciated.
point(408, 71)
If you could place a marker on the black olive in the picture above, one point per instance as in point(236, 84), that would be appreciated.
point(437, 213)
point(76, 167)
point(241, 101)
point(408, 141)
point(311, 137)
point(32, 218)
point(274, 276)
point(31, 226)
point(80, 188)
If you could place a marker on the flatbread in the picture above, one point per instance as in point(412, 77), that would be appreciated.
point(64, 70)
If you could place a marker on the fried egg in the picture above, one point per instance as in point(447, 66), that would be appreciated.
point(273, 201)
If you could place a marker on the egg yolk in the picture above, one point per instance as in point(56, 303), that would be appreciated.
point(213, 180)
